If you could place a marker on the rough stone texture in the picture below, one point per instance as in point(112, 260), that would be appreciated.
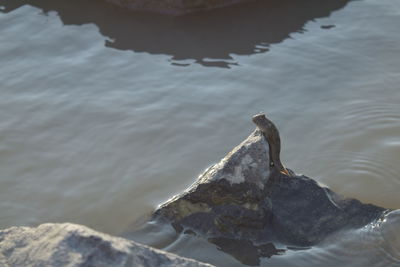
point(174, 7)
point(305, 212)
point(75, 245)
point(228, 194)
point(244, 202)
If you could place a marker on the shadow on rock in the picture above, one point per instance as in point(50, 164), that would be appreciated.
point(210, 38)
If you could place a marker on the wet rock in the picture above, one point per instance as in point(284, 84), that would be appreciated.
point(229, 196)
point(75, 245)
point(305, 212)
point(245, 201)
point(174, 7)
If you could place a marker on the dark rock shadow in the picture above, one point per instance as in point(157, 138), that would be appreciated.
point(208, 38)
point(160, 235)
point(245, 251)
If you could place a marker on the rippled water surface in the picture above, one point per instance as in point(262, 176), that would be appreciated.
point(106, 113)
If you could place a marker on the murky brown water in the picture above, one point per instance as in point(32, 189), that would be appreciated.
point(106, 113)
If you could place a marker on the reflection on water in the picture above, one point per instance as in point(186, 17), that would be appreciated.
point(99, 135)
point(376, 244)
point(236, 252)
point(209, 38)
point(245, 251)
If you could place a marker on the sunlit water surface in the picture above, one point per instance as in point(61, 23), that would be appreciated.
point(105, 113)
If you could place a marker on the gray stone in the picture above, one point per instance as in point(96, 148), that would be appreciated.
point(75, 245)
point(245, 202)
point(229, 193)
point(174, 7)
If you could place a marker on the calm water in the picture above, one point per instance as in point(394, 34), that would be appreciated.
point(106, 113)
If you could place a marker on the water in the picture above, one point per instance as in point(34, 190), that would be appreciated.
point(105, 113)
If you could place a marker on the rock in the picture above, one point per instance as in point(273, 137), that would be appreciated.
point(245, 200)
point(174, 7)
point(228, 194)
point(75, 245)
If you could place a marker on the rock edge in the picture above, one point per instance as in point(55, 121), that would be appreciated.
point(74, 245)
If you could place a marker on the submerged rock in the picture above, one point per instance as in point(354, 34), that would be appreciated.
point(174, 7)
point(75, 245)
point(249, 200)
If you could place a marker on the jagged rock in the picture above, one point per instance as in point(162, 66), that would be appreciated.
point(75, 245)
point(228, 194)
point(174, 7)
point(246, 200)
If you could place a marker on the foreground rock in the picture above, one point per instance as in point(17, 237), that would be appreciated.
point(247, 203)
point(174, 7)
point(75, 245)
